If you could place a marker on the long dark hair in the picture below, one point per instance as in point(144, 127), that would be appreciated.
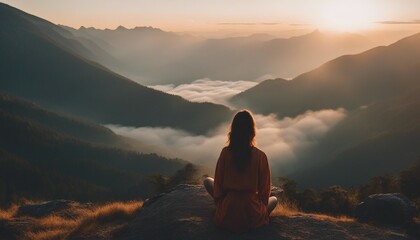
point(242, 138)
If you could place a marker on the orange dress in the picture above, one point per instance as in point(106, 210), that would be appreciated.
point(242, 196)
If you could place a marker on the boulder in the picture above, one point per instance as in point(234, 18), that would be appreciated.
point(389, 208)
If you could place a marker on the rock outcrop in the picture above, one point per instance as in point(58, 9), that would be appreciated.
point(390, 208)
point(186, 212)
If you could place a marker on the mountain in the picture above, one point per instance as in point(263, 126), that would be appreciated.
point(380, 139)
point(35, 66)
point(144, 53)
point(70, 126)
point(350, 81)
point(380, 90)
point(152, 56)
point(44, 155)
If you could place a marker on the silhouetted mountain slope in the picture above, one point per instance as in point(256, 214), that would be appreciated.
point(185, 58)
point(349, 81)
point(382, 138)
point(36, 162)
point(35, 67)
point(72, 127)
point(380, 89)
point(62, 37)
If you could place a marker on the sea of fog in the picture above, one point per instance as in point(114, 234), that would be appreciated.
point(207, 90)
point(281, 139)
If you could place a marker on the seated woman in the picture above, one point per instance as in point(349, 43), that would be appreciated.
point(242, 185)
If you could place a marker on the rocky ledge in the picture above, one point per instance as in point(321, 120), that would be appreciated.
point(186, 212)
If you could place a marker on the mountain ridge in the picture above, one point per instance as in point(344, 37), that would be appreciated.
point(38, 162)
point(379, 89)
point(241, 58)
point(52, 76)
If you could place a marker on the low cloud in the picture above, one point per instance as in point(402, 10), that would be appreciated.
point(400, 22)
point(281, 139)
point(207, 90)
point(300, 24)
point(248, 23)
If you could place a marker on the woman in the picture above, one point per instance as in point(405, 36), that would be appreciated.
point(241, 186)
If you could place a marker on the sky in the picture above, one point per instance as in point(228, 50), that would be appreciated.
point(229, 15)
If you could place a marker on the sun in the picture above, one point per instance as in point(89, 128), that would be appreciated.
point(345, 15)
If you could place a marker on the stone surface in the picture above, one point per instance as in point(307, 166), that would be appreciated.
point(186, 212)
point(390, 208)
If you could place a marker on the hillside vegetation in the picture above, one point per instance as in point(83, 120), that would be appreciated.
point(44, 155)
point(35, 66)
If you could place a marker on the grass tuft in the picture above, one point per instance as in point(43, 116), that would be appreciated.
point(285, 208)
point(104, 220)
point(110, 214)
point(9, 213)
point(290, 209)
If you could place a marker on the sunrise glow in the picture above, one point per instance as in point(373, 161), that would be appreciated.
point(347, 15)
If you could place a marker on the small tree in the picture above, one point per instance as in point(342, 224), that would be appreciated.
point(188, 174)
point(336, 201)
point(410, 181)
point(159, 182)
point(308, 200)
point(289, 188)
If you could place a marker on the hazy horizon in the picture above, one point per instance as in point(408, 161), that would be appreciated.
point(235, 18)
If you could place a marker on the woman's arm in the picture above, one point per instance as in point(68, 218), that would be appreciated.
point(265, 180)
point(218, 191)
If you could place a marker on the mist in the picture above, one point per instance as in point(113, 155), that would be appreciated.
point(281, 139)
point(207, 90)
point(152, 56)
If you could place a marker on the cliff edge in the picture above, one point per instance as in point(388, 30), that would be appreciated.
point(186, 212)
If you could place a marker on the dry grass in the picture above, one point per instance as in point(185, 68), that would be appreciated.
point(8, 213)
point(103, 220)
point(290, 209)
point(113, 214)
point(285, 208)
point(324, 217)
point(51, 227)
point(51, 222)
point(47, 234)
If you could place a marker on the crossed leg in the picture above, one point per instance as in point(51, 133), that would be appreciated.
point(209, 185)
point(272, 203)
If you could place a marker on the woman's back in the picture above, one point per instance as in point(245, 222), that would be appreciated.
point(241, 195)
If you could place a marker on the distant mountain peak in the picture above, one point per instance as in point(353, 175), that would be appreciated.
point(314, 33)
point(87, 28)
point(121, 28)
point(148, 28)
